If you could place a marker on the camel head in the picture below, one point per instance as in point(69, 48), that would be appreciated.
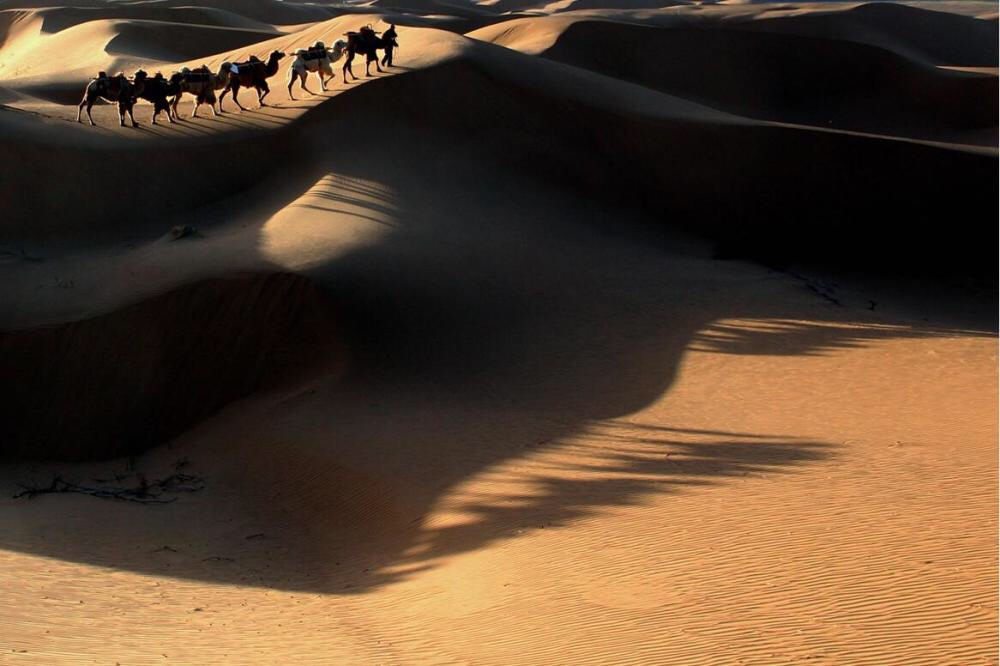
point(275, 56)
point(339, 45)
point(177, 77)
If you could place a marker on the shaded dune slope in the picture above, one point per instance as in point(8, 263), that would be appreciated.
point(934, 37)
point(842, 199)
point(156, 179)
point(55, 19)
point(782, 77)
point(264, 11)
point(174, 41)
point(178, 357)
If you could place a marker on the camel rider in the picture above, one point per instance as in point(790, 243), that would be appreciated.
point(389, 38)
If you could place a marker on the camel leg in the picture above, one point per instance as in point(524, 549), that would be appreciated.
point(79, 110)
point(89, 102)
point(164, 106)
point(267, 91)
point(302, 82)
point(347, 67)
point(222, 96)
point(234, 88)
point(131, 116)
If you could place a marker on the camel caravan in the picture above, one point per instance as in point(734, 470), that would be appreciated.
point(203, 84)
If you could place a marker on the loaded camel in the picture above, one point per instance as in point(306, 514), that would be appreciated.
point(201, 83)
point(316, 59)
point(116, 88)
point(157, 90)
point(367, 42)
point(251, 74)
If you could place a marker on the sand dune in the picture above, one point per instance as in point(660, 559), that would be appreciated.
point(937, 37)
point(455, 364)
point(772, 75)
point(60, 18)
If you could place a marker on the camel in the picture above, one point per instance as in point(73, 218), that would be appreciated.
point(367, 42)
point(116, 88)
point(157, 90)
point(251, 74)
point(201, 83)
point(317, 59)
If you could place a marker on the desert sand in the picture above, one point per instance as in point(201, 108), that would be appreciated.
point(591, 332)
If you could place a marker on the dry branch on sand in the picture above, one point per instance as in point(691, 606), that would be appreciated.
point(143, 492)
